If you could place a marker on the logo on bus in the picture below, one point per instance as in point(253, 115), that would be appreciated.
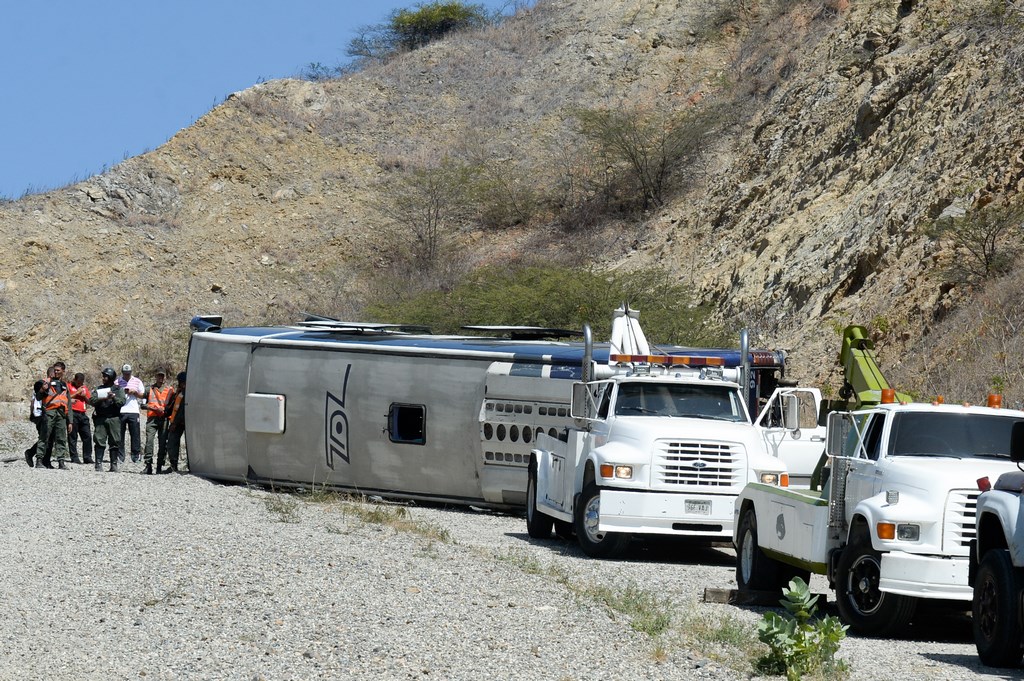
point(336, 421)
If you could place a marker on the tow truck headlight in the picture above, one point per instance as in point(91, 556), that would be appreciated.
point(612, 471)
point(780, 479)
point(902, 531)
point(908, 532)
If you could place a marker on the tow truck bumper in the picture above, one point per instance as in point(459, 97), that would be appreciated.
point(925, 576)
point(683, 515)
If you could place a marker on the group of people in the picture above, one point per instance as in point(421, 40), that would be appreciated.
point(59, 411)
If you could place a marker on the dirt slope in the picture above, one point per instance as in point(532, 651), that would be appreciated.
point(856, 125)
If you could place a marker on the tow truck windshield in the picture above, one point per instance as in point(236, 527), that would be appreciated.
point(680, 400)
point(956, 435)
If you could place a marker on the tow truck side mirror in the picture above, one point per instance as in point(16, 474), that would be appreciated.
point(791, 412)
point(1017, 442)
point(839, 425)
point(583, 406)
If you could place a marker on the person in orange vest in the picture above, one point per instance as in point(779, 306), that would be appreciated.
point(56, 401)
point(80, 430)
point(175, 426)
point(158, 407)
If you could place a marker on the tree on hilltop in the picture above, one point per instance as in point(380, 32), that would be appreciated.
point(411, 29)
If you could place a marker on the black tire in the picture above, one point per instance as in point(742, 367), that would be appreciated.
point(755, 571)
point(996, 611)
point(594, 543)
point(861, 605)
point(538, 524)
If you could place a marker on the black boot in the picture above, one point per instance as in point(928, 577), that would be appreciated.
point(87, 459)
point(149, 469)
point(39, 464)
point(75, 459)
point(30, 456)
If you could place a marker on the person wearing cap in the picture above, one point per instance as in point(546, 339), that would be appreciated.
point(107, 400)
point(133, 391)
point(176, 425)
point(158, 405)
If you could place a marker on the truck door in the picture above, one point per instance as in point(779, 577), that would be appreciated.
point(799, 449)
point(864, 478)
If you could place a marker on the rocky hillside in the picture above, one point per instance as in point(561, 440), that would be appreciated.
point(852, 128)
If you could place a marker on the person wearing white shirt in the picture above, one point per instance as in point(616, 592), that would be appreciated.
point(133, 390)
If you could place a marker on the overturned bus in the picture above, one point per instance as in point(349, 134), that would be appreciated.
point(395, 411)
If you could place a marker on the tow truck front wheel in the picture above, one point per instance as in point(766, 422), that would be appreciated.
point(861, 604)
point(595, 543)
point(996, 611)
point(538, 524)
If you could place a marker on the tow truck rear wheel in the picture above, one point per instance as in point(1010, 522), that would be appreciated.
point(861, 604)
point(595, 543)
point(538, 524)
point(754, 570)
point(996, 612)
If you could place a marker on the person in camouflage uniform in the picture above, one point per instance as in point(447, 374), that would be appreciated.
point(56, 419)
point(107, 400)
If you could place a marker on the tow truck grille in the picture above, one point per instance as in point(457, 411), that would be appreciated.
point(701, 464)
point(959, 522)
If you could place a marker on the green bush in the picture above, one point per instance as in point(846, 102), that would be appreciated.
point(556, 296)
point(797, 645)
point(412, 29)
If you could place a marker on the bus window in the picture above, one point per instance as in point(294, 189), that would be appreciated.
point(407, 423)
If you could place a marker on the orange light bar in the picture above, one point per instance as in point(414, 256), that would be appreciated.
point(995, 401)
point(888, 396)
point(668, 360)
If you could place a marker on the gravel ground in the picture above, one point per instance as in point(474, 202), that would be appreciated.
point(173, 577)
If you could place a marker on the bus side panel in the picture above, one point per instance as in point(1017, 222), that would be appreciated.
point(337, 428)
point(215, 408)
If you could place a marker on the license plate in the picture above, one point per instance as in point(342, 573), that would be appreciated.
point(701, 507)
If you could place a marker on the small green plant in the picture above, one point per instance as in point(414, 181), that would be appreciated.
point(647, 614)
point(798, 644)
point(283, 506)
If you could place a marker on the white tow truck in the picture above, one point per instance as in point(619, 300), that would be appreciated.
point(895, 519)
point(997, 566)
point(659, 445)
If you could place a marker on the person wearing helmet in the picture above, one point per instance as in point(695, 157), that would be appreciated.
point(107, 400)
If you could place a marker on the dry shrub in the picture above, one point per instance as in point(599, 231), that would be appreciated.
point(976, 350)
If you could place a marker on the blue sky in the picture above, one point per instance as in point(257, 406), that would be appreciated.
point(88, 84)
